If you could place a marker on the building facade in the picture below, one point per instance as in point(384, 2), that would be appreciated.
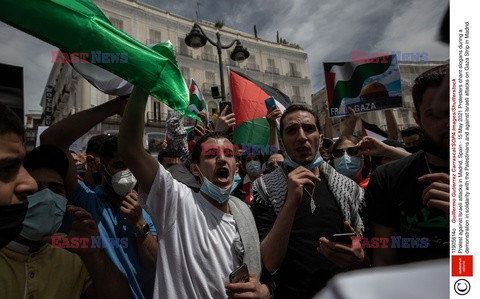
point(404, 116)
point(279, 65)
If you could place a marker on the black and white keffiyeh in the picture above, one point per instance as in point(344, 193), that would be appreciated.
point(272, 191)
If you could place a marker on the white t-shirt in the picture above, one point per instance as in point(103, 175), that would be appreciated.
point(195, 241)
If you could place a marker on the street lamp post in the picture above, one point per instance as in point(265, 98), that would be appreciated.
point(197, 39)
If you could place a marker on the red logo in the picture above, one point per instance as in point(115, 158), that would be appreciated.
point(462, 265)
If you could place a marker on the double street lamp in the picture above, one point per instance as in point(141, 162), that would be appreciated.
point(197, 39)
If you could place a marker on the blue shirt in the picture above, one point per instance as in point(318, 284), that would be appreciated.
point(113, 224)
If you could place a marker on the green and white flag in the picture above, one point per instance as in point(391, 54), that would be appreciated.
point(364, 86)
point(197, 102)
point(79, 26)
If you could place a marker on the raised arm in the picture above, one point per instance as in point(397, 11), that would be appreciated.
point(272, 115)
point(63, 133)
point(143, 166)
point(350, 123)
point(274, 246)
point(392, 129)
point(328, 126)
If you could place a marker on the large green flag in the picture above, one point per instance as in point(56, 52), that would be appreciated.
point(79, 26)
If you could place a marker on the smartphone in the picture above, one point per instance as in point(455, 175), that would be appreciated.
point(345, 238)
point(270, 102)
point(222, 106)
point(240, 274)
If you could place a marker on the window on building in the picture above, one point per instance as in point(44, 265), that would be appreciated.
point(207, 53)
point(117, 23)
point(156, 109)
point(155, 36)
point(271, 62)
point(184, 50)
point(271, 66)
point(186, 74)
point(252, 64)
point(293, 70)
point(296, 90)
point(210, 77)
point(212, 108)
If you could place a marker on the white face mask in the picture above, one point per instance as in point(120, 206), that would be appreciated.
point(123, 182)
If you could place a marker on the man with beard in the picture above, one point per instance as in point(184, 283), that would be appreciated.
point(408, 200)
point(301, 203)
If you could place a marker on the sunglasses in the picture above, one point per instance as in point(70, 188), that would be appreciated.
point(351, 151)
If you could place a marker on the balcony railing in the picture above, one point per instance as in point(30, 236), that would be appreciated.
point(272, 70)
point(253, 67)
point(298, 99)
point(156, 118)
point(153, 41)
point(295, 74)
point(209, 57)
point(185, 52)
point(207, 88)
point(114, 119)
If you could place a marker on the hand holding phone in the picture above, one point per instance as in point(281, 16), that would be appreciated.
point(344, 238)
point(270, 102)
point(240, 274)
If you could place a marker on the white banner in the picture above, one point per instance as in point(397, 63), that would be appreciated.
point(464, 121)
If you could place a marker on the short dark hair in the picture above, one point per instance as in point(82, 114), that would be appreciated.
point(410, 131)
point(168, 152)
point(299, 107)
point(431, 78)
point(244, 159)
point(197, 148)
point(95, 144)
point(47, 156)
point(10, 122)
point(108, 149)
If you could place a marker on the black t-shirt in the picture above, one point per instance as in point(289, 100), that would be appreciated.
point(304, 270)
point(394, 199)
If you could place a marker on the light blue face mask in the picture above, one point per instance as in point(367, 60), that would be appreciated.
point(44, 215)
point(348, 165)
point(254, 167)
point(218, 194)
point(315, 162)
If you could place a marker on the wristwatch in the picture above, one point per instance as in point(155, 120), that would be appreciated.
point(143, 232)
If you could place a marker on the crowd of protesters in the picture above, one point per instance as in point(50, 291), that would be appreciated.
point(115, 222)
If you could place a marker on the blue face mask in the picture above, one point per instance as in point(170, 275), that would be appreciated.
point(348, 165)
point(253, 167)
point(315, 162)
point(44, 215)
point(218, 194)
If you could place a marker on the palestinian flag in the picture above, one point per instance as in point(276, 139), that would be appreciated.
point(345, 81)
point(79, 26)
point(197, 102)
point(374, 131)
point(248, 101)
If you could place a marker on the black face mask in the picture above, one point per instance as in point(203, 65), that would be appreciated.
point(97, 178)
point(413, 149)
point(11, 219)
